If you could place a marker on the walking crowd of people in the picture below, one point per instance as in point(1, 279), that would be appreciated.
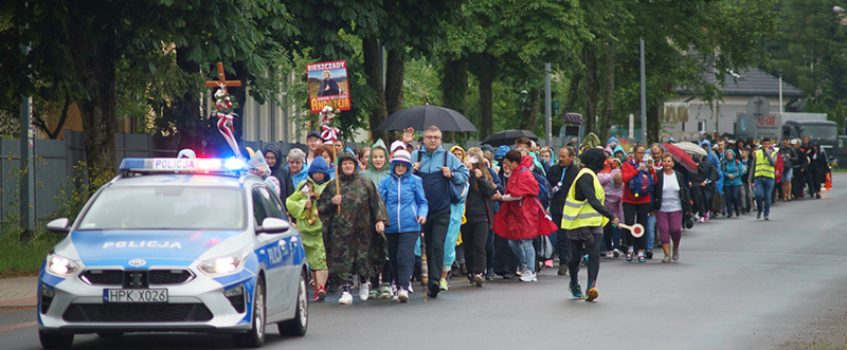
point(382, 218)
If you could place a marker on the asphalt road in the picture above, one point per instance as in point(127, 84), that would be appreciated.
point(740, 284)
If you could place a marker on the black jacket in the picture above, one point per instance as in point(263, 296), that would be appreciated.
point(286, 186)
point(557, 200)
point(478, 206)
point(684, 195)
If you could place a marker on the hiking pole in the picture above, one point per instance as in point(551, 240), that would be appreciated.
point(424, 268)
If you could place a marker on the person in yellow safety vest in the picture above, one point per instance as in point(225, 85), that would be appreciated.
point(583, 219)
point(763, 177)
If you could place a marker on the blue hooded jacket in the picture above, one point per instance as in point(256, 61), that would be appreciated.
point(405, 201)
point(319, 166)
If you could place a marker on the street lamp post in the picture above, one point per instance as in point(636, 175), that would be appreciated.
point(643, 93)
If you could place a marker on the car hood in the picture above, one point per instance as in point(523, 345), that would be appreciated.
point(154, 247)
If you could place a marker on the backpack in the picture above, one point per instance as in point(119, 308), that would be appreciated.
point(543, 188)
point(642, 183)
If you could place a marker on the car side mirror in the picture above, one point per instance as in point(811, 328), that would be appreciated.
point(58, 225)
point(273, 225)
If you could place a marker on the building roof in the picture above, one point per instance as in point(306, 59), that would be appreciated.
point(752, 82)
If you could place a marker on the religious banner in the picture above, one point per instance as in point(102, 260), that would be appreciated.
point(328, 86)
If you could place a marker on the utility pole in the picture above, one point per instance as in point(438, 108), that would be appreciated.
point(548, 105)
point(643, 93)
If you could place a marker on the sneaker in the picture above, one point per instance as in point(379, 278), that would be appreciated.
point(616, 252)
point(576, 292)
point(410, 289)
point(649, 255)
point(529, 276)
point(374, 294)
point(402, 296)
point(478, 280)
point(489, 275)
point(641, 258)
point(675, 255)
point(609, 254)
point(629, 255)
point(548, 263)
point(346, 298)
point(701, 220)
point(443, 284)
point(320, 294)
point(433, 290)
point(385, 291)
point(593, 293)
point(563, 270)
point(666, 259)
point(758, 216)
point(767, 218)
point(364, 291)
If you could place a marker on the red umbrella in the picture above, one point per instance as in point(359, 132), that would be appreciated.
point(680, 156)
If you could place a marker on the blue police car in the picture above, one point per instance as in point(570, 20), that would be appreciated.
point(175, 245)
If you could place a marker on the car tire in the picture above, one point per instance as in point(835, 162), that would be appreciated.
point(297, 326)
point(110, 334)
point(255, 337)
point(55, 340)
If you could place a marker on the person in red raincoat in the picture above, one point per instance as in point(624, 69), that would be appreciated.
point(522, 217)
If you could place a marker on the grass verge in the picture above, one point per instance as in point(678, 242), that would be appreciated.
point(21, 259)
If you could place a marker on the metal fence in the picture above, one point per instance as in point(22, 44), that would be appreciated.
point(55, 168)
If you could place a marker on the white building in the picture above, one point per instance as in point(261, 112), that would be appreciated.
point(686, 115)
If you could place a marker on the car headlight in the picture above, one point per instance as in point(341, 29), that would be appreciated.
point(223, 265)
point(61, 266)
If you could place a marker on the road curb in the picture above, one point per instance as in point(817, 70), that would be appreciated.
point(18, 303)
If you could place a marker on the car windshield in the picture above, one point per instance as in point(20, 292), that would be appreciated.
point(166, 208)
point(822, 132)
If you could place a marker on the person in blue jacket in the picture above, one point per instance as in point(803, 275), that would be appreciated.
point(733, 170)
point(407, 207)
point(715, 204)
point(438, 170)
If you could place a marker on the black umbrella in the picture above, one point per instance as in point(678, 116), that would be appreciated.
point(508, 137)
point(422, 117)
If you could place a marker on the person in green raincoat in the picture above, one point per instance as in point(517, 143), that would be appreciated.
point(302, 205)
point(377, 170)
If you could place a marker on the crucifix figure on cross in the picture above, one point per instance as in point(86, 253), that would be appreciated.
point(224, 107)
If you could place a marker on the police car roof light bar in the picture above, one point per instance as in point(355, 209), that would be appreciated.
point(216, 166)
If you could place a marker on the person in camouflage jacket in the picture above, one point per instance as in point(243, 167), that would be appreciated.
point(348, 233)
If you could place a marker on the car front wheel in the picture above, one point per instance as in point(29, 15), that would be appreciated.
point(300, 323)
point(255, 337)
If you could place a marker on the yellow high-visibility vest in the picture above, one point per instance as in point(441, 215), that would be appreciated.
point(580, 213)
point(763, 166)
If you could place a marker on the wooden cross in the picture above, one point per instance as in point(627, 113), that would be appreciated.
point(222, 82)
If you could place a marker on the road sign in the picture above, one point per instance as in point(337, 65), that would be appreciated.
point(758, 106)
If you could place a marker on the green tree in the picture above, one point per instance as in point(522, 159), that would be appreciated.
point(809, 49)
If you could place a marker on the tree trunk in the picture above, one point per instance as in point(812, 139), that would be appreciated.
point(592, 88)
point(653, 123)
point(609, 93)
point(373, 74)
point(485, 69)
point(185, 111)
point(573, 92)
point(94, 65)
point(454, 84)
point(394, 80)
point(530, 113)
